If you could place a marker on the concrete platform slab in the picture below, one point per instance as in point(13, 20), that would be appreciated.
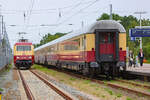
point(141, 70)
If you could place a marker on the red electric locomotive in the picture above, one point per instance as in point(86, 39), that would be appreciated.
point(23, 54)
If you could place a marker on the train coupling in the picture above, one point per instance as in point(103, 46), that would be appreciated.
point(121, 64)
point(94, 64)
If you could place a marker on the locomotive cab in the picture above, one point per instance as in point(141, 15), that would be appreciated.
point(23, 54)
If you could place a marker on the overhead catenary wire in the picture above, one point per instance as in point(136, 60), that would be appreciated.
point(77, 5)
point(56, 25)
point(79, 11)
point(30, 11)
point(70, 17)
point(38, 11)
point(72, 9)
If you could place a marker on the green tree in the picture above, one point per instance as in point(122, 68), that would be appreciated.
point(49, 37)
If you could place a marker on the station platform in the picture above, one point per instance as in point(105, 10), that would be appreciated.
point(142, 72)
point(145, 69)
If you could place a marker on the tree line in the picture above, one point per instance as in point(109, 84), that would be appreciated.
point(49, 37)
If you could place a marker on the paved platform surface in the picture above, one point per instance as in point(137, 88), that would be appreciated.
point(145, 69)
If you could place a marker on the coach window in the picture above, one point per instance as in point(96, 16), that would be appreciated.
point(76, 44)
point(102, 38)
point(110, 38)
point(52, 48)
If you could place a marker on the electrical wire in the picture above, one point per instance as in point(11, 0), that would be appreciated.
point(30, 12)
point(44, 10)
point(70, 17)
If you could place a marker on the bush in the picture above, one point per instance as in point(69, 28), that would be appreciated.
point(146, 50)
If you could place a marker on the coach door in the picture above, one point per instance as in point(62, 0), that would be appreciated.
point(107, 46)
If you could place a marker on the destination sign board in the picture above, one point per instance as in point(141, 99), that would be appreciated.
point(137, 32)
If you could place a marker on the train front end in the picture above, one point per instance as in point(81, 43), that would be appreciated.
point(108, 47)
point(23, 55)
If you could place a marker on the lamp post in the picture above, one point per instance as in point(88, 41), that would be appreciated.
point(140, 13)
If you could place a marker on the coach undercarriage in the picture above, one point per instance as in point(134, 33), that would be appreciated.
point(110, 70)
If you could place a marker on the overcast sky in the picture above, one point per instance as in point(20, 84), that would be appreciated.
point(60, 13)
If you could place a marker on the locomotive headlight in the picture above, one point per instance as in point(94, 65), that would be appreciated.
point(18, 57)
point(30, 57)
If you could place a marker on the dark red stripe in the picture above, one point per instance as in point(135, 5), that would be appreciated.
point(23, 43)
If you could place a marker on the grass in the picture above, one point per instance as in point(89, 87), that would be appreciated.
point(1, 89)
point(72, 79)
point(87, 81)
point(103, 96)
point(128, 98)
point(6, 69)
point(119, 95)
point(87, 86)
point(109, 91)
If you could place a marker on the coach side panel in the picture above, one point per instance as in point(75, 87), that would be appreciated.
point(122, 46)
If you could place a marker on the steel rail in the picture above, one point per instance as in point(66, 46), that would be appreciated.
point(132, 83)
point(52, 86)
point(27, 90)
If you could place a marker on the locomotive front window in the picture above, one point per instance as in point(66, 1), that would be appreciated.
point(23, 48)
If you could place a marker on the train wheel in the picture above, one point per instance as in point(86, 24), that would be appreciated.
point(107, 71)
point(59, 65)
point(18, 67)
point(113, 71)
point(108, 77)
point(91, 72)
point(28, 67)
point(85, 70)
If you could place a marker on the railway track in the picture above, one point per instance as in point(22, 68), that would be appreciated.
point(112, 85)
point(133, 83)
point(30, 91)
point(26, 87)
point(53, 87)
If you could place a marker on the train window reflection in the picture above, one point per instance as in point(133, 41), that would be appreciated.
point(23, 48)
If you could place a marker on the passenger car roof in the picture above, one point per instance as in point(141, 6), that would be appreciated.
point(102, 24)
